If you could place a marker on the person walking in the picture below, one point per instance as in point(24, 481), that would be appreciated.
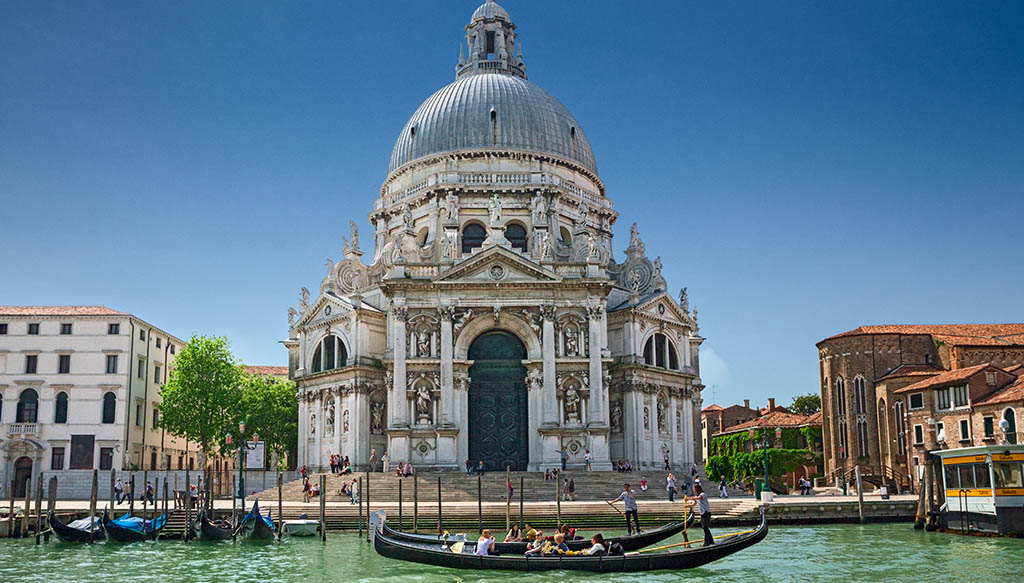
point(572, 489)
point(149, 492)
point(384, 460)
point(670, 485)
point(565, 489)
point(354, 491)
point(565, 457)
point(693, 470)
point(373, 460)
point(306, 489)
point(704, 509)
point(629, 500)
point(587, 458)
point(722, 493)
point(119, 490)
point(667, 466)
point(469, 468)
point(128, 494)
point(480, 468)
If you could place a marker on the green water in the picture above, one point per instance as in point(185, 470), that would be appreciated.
point(848, 553)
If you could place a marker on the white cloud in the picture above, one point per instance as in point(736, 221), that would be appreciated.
point(713, 372)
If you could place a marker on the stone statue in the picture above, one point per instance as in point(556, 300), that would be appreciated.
point(345, 248)
point(584, 212)
point(540, 209)
point(684, 300)
point(312, 423)
point(396, 252)
point(406, 215)
point(494, 209)
point(534, 322)
point(635, 277)
point(330, 420)
point(355, 235)
point(571, 348)
point(695, 315)
point(535, 379)
point(661, 414)
point(292, 314)
point(423, 343)
point(389, 380)
point(544, 246)
point(446, 246)
point(344, 421)
point(647, 418)
point(461, 321)
point(497, 313)
point(377, 417)
point(451, 206)
point(634, 236)
point(423, 401)
point(304, 303)
point(592, 250)
point(572, 405)
point(616, 418)
point(657, 266)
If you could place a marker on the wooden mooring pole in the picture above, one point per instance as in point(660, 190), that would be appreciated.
point(187, 495)
point(367, 496)
point(558, 500)
point(415, 502)
point(131, 499)
point(112, 480)
point(860, 493)
point(479, 503)
point(280, 503)
point(400, 504)
point(440, 530)
point(360, 503)
point(508, 498)
point(39, 507)
point(27, 509)
point(323, 500)
point(51, 503)
point(145, 497)
point(166, 493)
point(520, 502)
point(234, 511)
point(92, 496)
point(10, 513)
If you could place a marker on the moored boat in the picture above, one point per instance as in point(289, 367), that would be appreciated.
point(695, 556)
point(129, 529)
point(254, 526)
point(85, 530)
point(213, 532)
point(302, 526)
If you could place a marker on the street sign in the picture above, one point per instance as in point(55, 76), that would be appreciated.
point(255, 455)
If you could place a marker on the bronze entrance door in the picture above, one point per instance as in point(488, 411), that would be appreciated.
point(497, 402)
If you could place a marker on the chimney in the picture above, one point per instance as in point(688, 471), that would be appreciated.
point(771, 404)
point(746, 403)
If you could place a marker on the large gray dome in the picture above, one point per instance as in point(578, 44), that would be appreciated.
point(459, 117)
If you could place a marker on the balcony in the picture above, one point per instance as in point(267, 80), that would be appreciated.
point(22, 429)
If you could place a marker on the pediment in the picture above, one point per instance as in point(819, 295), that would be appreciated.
point(327, 306)
point(663, 307)
point(497, 265)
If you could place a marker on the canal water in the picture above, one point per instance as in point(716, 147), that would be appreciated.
point(850, 553)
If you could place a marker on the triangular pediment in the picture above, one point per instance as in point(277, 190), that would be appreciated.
point(325, 307)
point(497, 265)
point(662, 306)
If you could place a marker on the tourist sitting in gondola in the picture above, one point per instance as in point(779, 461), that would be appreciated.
point(515, 534)
point(485, 546)
point(536, 547)
point(569, 533)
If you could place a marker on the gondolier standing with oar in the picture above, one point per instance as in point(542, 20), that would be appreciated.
point(704, 508)
point(629, 499)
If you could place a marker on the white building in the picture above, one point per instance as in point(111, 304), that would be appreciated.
point(79, 390)
point(492, 321)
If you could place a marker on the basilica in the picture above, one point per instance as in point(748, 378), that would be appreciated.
point(492, 321)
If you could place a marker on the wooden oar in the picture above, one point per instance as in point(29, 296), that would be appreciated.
point(685, 519)
point(612, 504)
point(690, 543)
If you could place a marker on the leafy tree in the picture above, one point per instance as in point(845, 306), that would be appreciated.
point(270, 408)
point(202, 394)
point(806, 404)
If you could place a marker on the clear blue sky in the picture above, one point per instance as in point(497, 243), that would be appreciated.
point(803, 167)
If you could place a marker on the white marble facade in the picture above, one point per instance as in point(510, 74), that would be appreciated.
point(493, 217)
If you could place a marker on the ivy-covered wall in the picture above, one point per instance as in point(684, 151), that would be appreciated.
point(734, 455)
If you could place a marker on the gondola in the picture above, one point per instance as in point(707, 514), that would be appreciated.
point(628, 542)
point(212, 532)
point(695, 556)
point(255, 526)
point(302, 526)
point(129, 529)
point(79, 531)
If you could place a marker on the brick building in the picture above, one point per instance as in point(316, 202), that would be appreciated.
point(862, 373)
point(776, 418)
point(714, 419)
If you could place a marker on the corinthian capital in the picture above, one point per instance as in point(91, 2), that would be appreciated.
point(446, 313)
point(547, 311)
point(401, 313)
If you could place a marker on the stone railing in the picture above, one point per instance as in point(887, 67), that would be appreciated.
point(504, 178)
point(571, 270)
point(422, 271)
point(23, 429)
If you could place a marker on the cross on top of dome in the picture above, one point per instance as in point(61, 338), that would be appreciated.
point(490, 45)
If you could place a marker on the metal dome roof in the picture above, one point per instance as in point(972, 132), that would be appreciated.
point(490, 9)
point(459, 117)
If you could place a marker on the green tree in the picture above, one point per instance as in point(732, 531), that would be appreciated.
point(201, 397)
point(270, 408)
point(806, 404)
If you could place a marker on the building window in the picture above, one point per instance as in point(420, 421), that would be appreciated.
point(142, 335)
point(901, 431)
point(106, 458)
point(172, 349)
point(658, 351)
point(841, 396)
point(330, 354)
point(156, 418)
point(33, 329)
point(472, 237)
point(113, 328)
point(156, 373)
point(181, 461)
point(516, 235)
point(28, 407)
point(859, 395)
point(990, 427)
point(60, 413)
point(862, 437)
point(940, 432)
point(141, 369)
point(82, 451)
point(57, 458)
point(917, 401)
point(158, 342)
point(1011, 425)
point(65, 329)
point(152, 460)
point(942, 401)
point(63, 363)
point(960, 396)
point(3, 329)
point(191, 463)
point(111, 364)
point(918, 435)
point(109, 407)
point(843, 438)
point(31, 363)
point(138, 414)
point(965, 430)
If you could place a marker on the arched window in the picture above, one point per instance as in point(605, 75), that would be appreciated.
point(563, 234)
point(109, 407)
point(329, 354)
point(840, 396)
point(901, 432)
point(28, 407)
point(60, 414)
point(516, 234)
point(658, 351)
point(472, 237)
point(1011, 425)
point(859, 395)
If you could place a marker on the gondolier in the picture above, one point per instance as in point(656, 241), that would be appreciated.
point(704, 509)
point(629, 499)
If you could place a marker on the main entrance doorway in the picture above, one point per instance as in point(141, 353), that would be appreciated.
point(497, 402)
point(22, 473)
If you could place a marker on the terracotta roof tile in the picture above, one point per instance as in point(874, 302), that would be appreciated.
point(274, 371)
point(947, 378)
point(1012, 392)
point(773, 419)
point(911, 370)
point(814, 418)
point(710, 408)
point(952, 334)
point(59, 311)
point(1017, 369)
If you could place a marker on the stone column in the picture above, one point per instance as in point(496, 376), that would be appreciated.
point(550, 401)
point(303, 429)
point(686, 350)
point(688, 437)
point(399, 404)
point(673, 407)
point(318, 406)
point(339, 409)
point(447, 313)
point(596, 410)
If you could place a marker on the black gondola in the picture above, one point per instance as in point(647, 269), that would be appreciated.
point(212, 532)
point(628, 542)
point(442, 556)
point(130, 529)
point(256, 527)
point(79, 531)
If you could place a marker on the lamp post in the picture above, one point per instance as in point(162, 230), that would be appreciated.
point(241, 463)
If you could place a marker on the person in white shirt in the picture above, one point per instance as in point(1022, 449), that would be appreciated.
point(485, 545)
point(597, 545)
